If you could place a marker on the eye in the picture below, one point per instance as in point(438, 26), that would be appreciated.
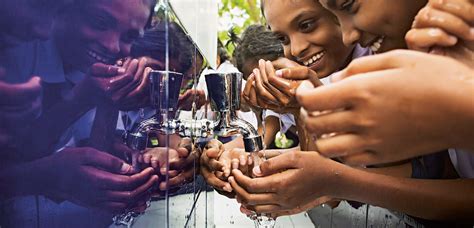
point(307, 25)
point(99, 24)
point(347, 5)
point(131, 36)
point(96, 22)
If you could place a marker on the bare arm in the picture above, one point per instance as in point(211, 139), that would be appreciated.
point(429, 199)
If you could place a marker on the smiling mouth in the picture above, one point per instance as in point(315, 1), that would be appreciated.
point(98, 57)
point(375, 46)
point(314, 59)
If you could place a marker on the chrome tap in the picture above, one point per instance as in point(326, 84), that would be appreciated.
point(165, 87)
point(224, 91)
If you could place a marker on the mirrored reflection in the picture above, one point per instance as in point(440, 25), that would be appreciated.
point(105, 68)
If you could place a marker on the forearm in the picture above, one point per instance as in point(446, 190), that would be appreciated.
point(429, 199)
point(402, 169)
point(55, 120)
point(461, 104)
point(22, 179)
point(304, 136)
point(272, 126)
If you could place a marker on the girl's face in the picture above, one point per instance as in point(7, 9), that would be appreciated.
point(378, 24)
point(100, 31)
point(310, 34)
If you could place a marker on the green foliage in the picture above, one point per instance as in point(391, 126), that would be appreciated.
point(240, 14)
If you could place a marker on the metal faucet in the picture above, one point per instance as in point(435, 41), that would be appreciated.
point(224, 90)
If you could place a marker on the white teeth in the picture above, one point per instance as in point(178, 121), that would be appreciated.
point(96, 56)
point(376, 45)
point(313, 59)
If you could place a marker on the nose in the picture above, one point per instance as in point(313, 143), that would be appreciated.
point(111, 43)
point(298, 45)
point(350, 35)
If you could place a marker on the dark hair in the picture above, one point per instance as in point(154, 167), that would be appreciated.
point(222, 52)
point(153, 44)
point(257, 42)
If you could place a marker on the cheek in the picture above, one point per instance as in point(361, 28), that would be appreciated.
point(287, 52)
point(86, 33)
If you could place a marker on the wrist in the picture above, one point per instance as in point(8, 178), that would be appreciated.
point(339, 181)
point(459, 130)
point(24, 179)
point(82, 95)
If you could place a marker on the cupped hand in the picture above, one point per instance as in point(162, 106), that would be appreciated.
point(95, 179)
point(288, 183)
point(274, 89)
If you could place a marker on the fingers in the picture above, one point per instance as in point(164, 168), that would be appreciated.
point(133, 195)
point(104, 71)
point(329, 97)
point(297, 73)
point(19, 94)
point(380, 62)
point(214, 143)
point(104, 161)
point(179, 180)
point(263, 94)
point(187, 144)
point(139, 96)
point(340, 145)
point(277, 164)
point(282, 63)
point(255, 185)
point(424, 39)
point(124, 84)
point(246, 198)
point(336, 121)
point(248, 86)
point(215, 182)
point(460, 8)
point(429, 17)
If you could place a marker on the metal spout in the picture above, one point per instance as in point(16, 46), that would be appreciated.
point(224, 90)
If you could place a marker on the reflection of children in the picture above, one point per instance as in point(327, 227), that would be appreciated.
point(21, 103)
point(77, 175)
point(181, 153)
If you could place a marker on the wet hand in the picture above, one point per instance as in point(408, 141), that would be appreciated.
point(210, 167)
point(287, 184)
point(380, 101)
point(95, 179)
point(445, 28)
point(275, 89)
point(186, 100)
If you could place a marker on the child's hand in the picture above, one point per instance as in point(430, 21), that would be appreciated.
point(217, 163)
point(20, 104)
point(275, 89)
point(126, 86)
point(446, 28)
point(210, 166)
